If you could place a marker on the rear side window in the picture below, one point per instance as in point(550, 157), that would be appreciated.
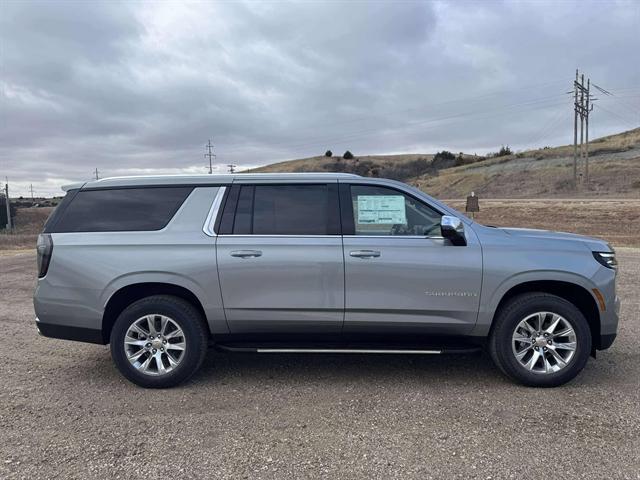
point(58, 212)
point(290, 210)
point(303, 209)
point(120, 210)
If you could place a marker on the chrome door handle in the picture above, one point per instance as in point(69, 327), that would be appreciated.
point(364, 253)
point(246, 253)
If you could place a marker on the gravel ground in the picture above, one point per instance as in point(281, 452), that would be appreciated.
point(65, 412)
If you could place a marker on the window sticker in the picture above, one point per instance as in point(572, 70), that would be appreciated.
point(381, 209)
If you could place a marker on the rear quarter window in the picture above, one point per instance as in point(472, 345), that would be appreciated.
point(119, 210)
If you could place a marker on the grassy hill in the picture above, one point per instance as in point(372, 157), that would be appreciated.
point(614, 166)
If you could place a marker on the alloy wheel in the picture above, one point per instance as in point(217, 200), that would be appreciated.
point(544, 342)
point(155, 344)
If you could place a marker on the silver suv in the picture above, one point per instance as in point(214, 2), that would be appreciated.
point(162, 267)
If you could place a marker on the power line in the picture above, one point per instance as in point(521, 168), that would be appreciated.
point(549, 127)
point(609, 95)
point(479, 113)
point(628, 122)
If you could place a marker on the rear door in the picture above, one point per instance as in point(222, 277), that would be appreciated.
point(401, 276)
point(280, 262)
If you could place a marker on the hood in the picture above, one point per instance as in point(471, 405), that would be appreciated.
point(594, 244)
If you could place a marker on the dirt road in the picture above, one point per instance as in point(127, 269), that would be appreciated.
point(66, 413)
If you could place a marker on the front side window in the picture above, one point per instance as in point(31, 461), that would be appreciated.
point(385, 211)
point(286, 210)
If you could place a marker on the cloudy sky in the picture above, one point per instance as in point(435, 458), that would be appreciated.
point(133, 88)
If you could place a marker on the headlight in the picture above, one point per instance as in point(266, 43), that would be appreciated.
point(608, 259)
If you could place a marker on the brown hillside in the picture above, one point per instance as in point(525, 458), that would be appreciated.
point(614, 170)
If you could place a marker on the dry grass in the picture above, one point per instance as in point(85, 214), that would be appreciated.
point(617, 221)
point(321, 163)
point(548, 172)
point(614, 168)
point(28, 224)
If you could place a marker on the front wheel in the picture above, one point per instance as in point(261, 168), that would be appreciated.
point(540, 340)
point(159, 341)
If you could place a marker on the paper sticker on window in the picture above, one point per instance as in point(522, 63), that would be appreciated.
point(381, 209)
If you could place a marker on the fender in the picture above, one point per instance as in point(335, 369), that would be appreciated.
point(212, 304)
point(489, 301)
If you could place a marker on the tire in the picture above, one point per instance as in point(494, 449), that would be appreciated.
point(542, 370)
point(180, 343)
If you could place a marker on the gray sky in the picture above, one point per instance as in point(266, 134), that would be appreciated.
point(136, 88)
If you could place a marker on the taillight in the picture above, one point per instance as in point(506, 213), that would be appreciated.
point(44, 247)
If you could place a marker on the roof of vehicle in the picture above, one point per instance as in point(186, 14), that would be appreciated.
point(149, 180)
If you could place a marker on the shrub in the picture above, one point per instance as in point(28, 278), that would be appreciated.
point(347, 155)
point(504, 151)
point(444, 155)
point(443, 159)
point(328, 153)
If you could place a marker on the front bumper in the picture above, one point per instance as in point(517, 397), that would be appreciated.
point(609, 324)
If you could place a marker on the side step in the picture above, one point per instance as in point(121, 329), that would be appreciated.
point(347, 349)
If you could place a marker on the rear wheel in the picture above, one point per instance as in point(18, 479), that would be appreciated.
point(540, 340)
point(159, 341)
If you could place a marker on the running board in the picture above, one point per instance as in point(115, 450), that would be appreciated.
point(346, 350)
point(349, 350)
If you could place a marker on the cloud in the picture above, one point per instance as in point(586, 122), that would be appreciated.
point(140, 87)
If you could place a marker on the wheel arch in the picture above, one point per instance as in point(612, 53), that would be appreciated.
point(577, 294)
point(128, 294)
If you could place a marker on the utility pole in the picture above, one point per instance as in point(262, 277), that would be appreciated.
point(575, 131)
point(581, 122)
point(7, 204)
point(586, 147)
point(31, 190)
point(232, 168)
point(582, 107)
point(210, 155)
point(96, 174)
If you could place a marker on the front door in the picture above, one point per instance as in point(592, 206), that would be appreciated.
point(401, 276)
point(280, 263)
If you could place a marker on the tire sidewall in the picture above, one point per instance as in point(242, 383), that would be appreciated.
point(519, 311)
point(185, 317)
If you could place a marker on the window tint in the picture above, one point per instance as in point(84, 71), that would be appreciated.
point(59, 210)
point(385, 211)
point(123, 209)
point(244, 210)
point(290, 210)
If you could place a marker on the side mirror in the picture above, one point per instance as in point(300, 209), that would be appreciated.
point(452, 229)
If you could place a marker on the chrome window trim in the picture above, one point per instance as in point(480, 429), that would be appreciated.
point(209, 224)
point(421, 237)
point(248, 235)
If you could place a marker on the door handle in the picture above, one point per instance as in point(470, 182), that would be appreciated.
point(364, 253)
point(246, 253)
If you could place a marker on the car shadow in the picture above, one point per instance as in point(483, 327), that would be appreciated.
point(351, 368)
point(474, 370)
